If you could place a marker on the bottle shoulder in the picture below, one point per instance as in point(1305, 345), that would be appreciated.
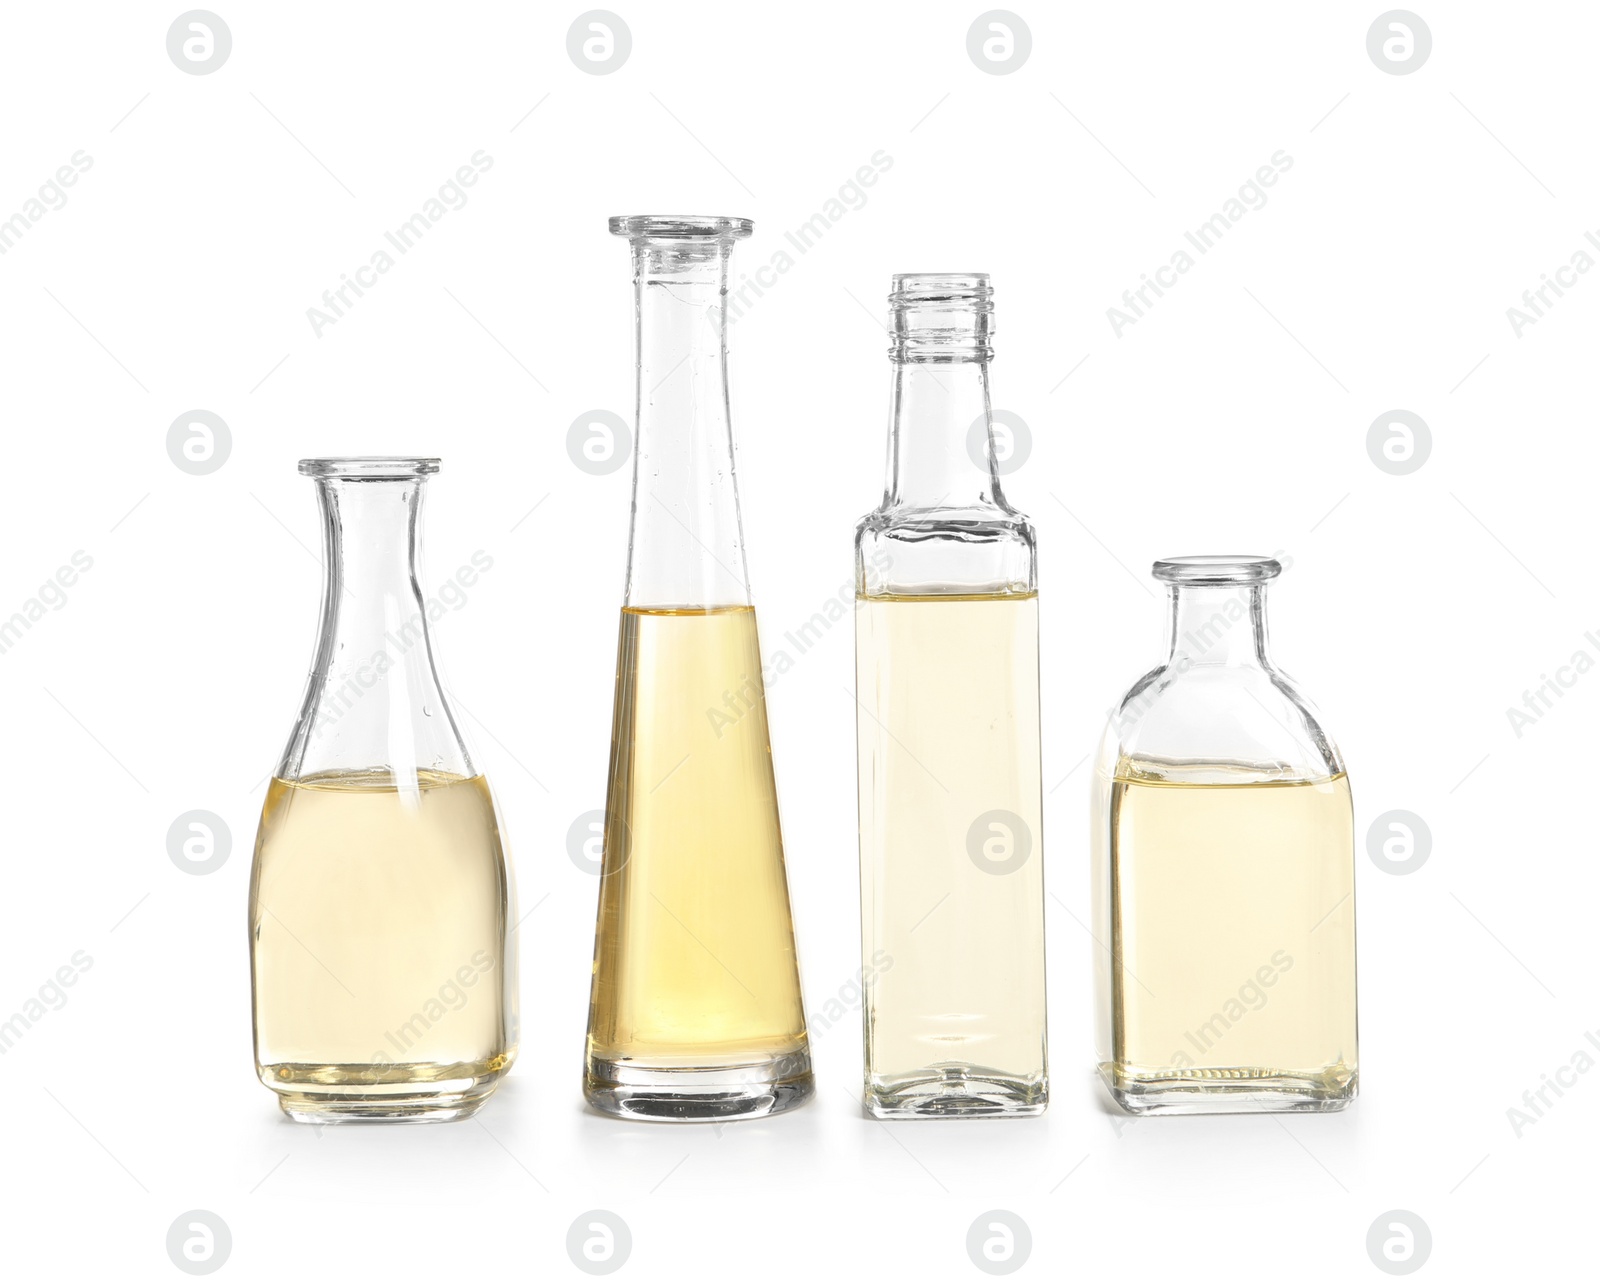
point(996, 522)
point(1218, 722)
point(979, 548)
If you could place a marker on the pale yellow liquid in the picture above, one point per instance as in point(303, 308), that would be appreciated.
point(953, 951)
point(1233, 935)
point(378, 935)
point(694, 962)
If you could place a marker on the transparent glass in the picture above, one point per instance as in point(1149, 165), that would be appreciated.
point(382, 938)
point(1224, 871)
point(695, 1010)
point(947, 688)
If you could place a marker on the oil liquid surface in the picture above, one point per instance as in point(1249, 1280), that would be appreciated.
point(695, 961)
point(952, 886)
point(378, 933)
point(1233, 932)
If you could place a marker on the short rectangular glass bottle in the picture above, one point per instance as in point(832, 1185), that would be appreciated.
point(1224, 874)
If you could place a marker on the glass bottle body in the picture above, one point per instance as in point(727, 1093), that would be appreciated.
point(383, 959)
point(947, 682)
point(1224, 872)
point(695, 1008)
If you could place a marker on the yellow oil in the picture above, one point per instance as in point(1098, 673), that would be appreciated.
point(379, 943)
point(1232, 917)
point(952, 918)
point(694, 964)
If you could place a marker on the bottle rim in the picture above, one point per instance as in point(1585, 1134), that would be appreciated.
point(370, 467)
point(922, 288)
point(681, 227)
point(1216, 569)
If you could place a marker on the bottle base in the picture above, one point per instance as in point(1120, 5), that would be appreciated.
point(332, 1095)
point(958, 1090)
point(1212, 1090)
point(735, 1092)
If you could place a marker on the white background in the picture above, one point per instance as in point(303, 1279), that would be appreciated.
point(1233, 416)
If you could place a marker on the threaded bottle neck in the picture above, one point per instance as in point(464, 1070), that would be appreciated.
point(941, 317)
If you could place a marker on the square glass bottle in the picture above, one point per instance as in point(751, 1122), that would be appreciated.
point(947, 690)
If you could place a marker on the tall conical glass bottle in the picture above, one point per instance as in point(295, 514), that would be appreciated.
point(382, 938)
point(695, 1009)
point(947, 685)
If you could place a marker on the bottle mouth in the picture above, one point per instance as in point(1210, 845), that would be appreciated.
point(370, 468)
point(1217, 569)
point(941, 317)
point(960, 290)
point(687, 227)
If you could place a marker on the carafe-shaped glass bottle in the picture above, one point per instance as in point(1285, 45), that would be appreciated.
point(947, 685)
point(695, 1009)
point(1224, 874)
point(382, 940)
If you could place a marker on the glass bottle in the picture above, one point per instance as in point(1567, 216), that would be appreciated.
point(1224, 871)
point(695, 1009)
point(947, 689)
point(382, 941)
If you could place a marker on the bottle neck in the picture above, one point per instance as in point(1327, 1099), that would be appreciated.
point(687, 547)
point(941, 453)
point(1218, 625)
point(372, 533)
point(374, 698)
point(941, 443)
